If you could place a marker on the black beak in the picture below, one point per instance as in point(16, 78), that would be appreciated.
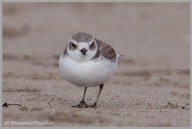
point(83, 51)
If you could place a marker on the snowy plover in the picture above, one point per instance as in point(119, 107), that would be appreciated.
point(88, 62)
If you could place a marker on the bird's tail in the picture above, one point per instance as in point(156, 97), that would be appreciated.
point(120, 55)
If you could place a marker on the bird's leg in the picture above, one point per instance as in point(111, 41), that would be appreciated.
point(95, 103)
point(82, 103)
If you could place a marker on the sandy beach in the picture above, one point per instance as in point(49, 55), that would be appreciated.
point(150, 88)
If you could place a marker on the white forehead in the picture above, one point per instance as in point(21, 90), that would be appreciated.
point(81, 44)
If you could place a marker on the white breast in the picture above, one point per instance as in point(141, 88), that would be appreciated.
point(89, 73)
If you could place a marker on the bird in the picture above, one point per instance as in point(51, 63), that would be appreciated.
point(88, 62)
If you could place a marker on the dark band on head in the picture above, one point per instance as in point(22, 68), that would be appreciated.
point(97, 55)
point(65, 51)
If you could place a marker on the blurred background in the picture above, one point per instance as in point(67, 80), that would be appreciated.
point(154, 37)
point(148, 31)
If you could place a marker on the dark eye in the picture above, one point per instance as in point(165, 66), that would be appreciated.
point(92, 46)
point(72, 46)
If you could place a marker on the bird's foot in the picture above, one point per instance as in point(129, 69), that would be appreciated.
point(94, 105)
point(82, 104)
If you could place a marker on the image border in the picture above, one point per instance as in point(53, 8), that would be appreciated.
point(1, 43)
